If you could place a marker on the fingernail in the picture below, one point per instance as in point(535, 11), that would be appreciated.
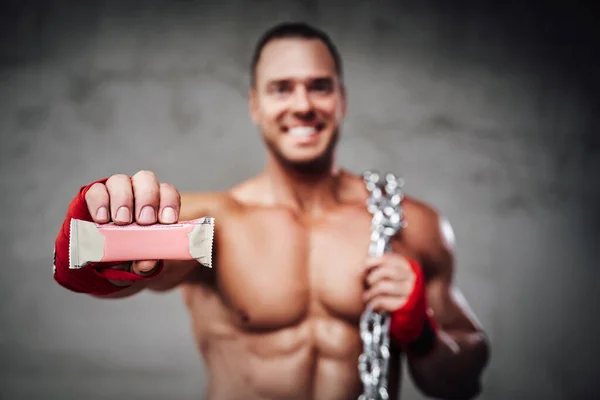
point(145, 268)
point(168, 215)
point(147, 214)
point(102, 214)
point(123, 214)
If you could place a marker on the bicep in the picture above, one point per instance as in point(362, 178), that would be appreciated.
point(449, 306)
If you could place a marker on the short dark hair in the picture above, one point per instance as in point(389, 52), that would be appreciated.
point(287, 30)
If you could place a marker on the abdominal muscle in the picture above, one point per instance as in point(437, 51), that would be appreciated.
point(314, 359)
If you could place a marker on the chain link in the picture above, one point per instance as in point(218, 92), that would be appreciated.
point(384, 204)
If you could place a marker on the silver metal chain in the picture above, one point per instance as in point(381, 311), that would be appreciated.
point(384, 204)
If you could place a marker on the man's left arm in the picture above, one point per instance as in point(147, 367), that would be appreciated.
point(453, 366)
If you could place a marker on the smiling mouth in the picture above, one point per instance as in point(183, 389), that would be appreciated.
point(304, 131)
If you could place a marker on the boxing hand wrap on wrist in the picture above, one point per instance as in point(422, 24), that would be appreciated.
point(411, 326)
point(92, 279)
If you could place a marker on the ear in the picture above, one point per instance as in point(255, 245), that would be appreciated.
point(343, 102)
point(253, 105)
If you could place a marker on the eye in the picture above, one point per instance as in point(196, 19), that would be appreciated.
point(322, 86)
point(280, 88)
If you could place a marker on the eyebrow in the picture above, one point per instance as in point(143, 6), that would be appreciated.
point(313, 79)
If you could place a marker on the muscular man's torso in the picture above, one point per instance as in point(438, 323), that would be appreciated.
point(277, 317)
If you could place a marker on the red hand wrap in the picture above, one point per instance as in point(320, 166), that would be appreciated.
point(90, 279)
point(411, 326)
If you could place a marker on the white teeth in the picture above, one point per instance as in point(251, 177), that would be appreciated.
point(303, 131)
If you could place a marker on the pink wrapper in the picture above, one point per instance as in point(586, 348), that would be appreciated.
point(90, 242)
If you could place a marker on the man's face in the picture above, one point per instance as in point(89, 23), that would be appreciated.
point(298, 101)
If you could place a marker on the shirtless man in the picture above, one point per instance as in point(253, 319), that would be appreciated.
point(277, 317)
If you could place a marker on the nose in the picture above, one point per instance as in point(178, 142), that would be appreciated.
point(301, 102)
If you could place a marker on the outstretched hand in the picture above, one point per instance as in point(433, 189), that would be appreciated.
point(140, 199)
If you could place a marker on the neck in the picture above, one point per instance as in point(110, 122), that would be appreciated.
point(307, 193)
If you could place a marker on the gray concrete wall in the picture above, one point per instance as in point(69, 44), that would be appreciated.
point(486, 111)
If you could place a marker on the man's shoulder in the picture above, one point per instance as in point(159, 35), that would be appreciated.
point(420, 213)
point(200, 204)
point(429, 234)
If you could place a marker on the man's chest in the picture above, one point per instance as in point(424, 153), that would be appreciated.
point(274, 270)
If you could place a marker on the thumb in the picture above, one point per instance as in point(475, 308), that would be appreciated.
point(144, 267)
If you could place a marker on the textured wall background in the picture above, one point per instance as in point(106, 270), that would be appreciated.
point(487, 111)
